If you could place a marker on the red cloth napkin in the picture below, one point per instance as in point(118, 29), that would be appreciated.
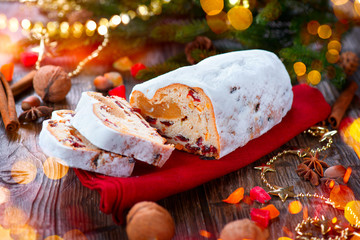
point(184, 171)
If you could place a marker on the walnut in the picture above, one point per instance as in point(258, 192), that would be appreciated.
point(243, 229)
point(349, 61)
point(52, 83)
point(148, 220)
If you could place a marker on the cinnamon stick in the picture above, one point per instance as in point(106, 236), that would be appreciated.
point(341, 104)
point(7, 106)
point(23, 84)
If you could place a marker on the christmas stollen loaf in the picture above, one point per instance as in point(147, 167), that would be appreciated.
point(111, 124)
point(219, 104)
point(59, 139)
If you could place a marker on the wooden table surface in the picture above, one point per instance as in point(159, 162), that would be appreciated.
point(54, 207)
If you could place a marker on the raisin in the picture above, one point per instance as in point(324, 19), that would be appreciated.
point(257, 107)
point(157, 158)
point(182, 138)
point(191, 148)
point(184, 118)
point(191, 93)
point(150, 120)
point(233, 89)
point(77, 145)
point(199, 141)
point(167, 123)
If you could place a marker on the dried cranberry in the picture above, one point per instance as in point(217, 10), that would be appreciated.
point(77, 145)
point(182, 138)
point(191, 148)
point(150, 120)
point(167, 123)
point(199, 141)
point(184, 118)
point(209, 149)
point(52, 124)
point(191, 93)
point(138, 110)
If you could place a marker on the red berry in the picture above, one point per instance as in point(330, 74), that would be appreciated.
point(119, 91)
point(260, 216)
point(259, 194)
point(28, 59)
point(136, 68)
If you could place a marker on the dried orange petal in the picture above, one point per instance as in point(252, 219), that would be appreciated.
point(273, 211)
point(236, 196)
point(347, 174)
point(7, 70)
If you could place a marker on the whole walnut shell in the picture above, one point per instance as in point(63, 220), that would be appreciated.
point(243, 229)
point(51, 83)
point(148, 220)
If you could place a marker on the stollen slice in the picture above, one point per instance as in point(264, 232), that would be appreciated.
point(60, 140)
point(110, 123)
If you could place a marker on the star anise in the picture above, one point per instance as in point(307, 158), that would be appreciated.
point(313, 162)
point(308, 174)
point(35, 113)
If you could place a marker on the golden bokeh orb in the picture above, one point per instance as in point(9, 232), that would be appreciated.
point(312, 27)
point(334, 44)
point(314, 77)
point(295, 207)
point(332, 56)
point(212, 7)
point(299, 68)
point(324, 31)
point(23, 172)
point(218, 23)
point(240, 17)
point(53, 169)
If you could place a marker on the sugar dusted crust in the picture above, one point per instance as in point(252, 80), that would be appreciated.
point(111, 124)
point(60, 140)
point(249, 91)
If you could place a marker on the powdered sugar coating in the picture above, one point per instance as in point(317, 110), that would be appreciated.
point(243, 86)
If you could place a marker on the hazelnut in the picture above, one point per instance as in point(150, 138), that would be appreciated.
point(102, 83)
point(148, 220)
point(337, 171)
point(243, 229)
point(29, 102)
point(52, 83)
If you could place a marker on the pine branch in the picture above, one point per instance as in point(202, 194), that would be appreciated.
point(270, 12)
point(156, 70)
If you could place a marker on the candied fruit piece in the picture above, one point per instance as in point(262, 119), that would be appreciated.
point(28, 59)
point(236, 196)
point(259, 194)
point(115, 78)
point(123, 64)
point(119, 91)
point(274, 212)
point(136, 68)
point(101, 83)
point(260, 216)
point(7, 70)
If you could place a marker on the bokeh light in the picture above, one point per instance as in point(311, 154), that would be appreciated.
point(23, 172)
point(334, 220)
point(131, 14)
point(324, 31)
point(102, 30)
point(339, 2)
point(314, 77)
point(334, 44)
point(64, 30)
point(332, 56)
point(13, 24)
point(77, 29)
point(240, 17)
point(3, 20)
point(212, 7)
point(299, 68)
point(91, 25)
point(38, 26)
point(74, 234)
point(53, 169)
point(312, 27)
point(13, 217)
point(23, 232)
point(26, 24)
point(4, 195)
point(115, 21)
point(5, 234)
point(103, 22)
point(125, 18)
point(143, 10)
point(54, 237)
point(357, 7)
point(295, 207)
point(218, 23)
point(205, 234)
point(352, 211)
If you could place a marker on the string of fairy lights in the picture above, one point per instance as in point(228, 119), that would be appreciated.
point(64, 29)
